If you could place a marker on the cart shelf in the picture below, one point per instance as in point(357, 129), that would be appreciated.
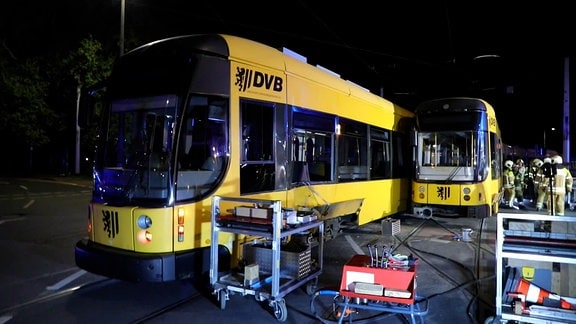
point(528, 247)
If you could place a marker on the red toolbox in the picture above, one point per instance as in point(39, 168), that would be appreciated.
point(363, 278)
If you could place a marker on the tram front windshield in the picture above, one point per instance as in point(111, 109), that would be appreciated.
point(133, 157)
point(452, 156)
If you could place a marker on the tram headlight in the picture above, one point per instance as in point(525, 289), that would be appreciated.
point(144, 222)
point(466, 192)
point(421, 192)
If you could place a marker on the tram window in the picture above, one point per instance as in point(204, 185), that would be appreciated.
point(352, 151)
point(400, 159)
point(203, 147)
point(380, 154)
point(159, 129)
point(495, 156)
point(313, 121)
point(257, 170)
point(257, 132)
point(256, 178)
point(312, 148)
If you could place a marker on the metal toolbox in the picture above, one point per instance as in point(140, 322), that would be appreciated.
point(295, 262)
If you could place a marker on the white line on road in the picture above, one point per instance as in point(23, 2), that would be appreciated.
point(354, 245)
point(66, 280)
point(12, 220)
point(29, 204)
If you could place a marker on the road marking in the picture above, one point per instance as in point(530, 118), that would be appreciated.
point(437, 240)
point(66, 280)
point(29, 204)
point(12, 220)
point(23, 187)
point(354, 245)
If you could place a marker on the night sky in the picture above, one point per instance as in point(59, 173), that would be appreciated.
point(408, 51)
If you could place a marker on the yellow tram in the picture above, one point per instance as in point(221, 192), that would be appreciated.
point(458, 171)
point(191, 117)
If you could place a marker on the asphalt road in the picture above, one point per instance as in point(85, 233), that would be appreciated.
point(41, 220)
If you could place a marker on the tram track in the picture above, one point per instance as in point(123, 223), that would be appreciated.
point(99, 291)
point(8, 313)
point(166, 309)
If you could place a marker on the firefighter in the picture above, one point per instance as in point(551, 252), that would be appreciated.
point(532, 182)
point(538, 178)
point(509, 190)
point(519, 184)
point(561, 184)
point(543, 188)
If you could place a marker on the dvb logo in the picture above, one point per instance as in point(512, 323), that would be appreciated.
point(246, 79)
point(110, 220)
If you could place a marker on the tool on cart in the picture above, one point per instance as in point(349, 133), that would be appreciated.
point(388, 259)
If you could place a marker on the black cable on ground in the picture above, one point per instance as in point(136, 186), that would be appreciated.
point(475, 280)
point(333, 316)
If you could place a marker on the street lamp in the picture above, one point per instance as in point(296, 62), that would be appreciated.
point(544, 148)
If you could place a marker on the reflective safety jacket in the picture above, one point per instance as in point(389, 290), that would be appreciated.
point(562, 182)
point(508, 179)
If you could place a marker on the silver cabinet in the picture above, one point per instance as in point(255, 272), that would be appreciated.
point(534, 239)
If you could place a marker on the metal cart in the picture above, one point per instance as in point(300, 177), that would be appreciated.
point(515, 294)
point(278, 272)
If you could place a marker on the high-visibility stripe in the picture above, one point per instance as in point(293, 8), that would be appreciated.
point(533, 294)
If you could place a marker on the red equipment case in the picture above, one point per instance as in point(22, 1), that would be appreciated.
point(398, 280)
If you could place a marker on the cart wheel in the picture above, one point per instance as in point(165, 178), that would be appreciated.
point(280, 310)
point(491, 320)
point(222, 296)
point(311, 287)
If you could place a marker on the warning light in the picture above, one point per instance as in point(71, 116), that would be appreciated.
point(144, 237)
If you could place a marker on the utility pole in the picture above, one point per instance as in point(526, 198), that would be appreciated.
point(566, 116)
point(77, 143)
point(122, 15)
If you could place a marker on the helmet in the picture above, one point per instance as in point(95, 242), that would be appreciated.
point(537, 163)
point(519, 161)
point(557, 159)
point(547, 160)
point(508, 164)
